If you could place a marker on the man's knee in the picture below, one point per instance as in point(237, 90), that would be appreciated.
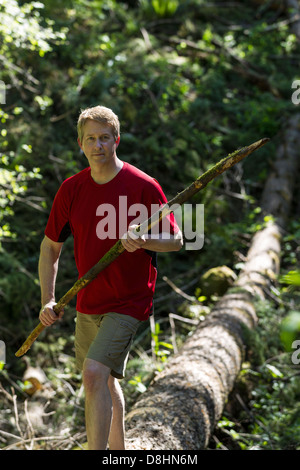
point(94, 374)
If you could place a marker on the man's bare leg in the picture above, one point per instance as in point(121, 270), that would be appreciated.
point(117, 431)
point(98, 404)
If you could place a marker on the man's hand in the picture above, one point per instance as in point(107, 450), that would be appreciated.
point(47, 314)
point(162, 242)
point(131, 241)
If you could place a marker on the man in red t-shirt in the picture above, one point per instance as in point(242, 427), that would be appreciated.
point(98, 206)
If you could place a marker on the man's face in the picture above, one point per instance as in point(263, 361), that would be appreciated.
point(98, 143)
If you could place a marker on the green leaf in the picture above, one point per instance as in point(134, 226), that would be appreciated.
point(290, 329)
point(275, 373)
point(291, 278)
point(166, 345)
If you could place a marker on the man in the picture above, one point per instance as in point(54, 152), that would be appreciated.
point(111, 307)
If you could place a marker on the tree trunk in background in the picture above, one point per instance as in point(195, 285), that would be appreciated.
point(181, 407)
point(294, 14)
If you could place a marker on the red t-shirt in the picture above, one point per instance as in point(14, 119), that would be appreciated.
point(98, 215)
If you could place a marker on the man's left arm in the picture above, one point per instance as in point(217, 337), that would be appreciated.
point(161, 242)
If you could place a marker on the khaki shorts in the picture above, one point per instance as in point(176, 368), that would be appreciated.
point(105, 338)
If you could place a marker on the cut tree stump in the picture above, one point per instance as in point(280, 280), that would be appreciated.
point(181, 407)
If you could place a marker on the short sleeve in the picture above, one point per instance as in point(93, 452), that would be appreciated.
point(58, 227)
point(154, 199)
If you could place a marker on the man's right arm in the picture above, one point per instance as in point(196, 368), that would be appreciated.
point(48, 267)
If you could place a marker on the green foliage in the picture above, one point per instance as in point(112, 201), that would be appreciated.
point(161, 348)
point(292, 278)
point(290, 329)
point(290, 283)
point(20, 28)
point(165, 7)
point(290, 325)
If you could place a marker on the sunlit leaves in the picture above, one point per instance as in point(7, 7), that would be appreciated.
point(161, 8)
point(43, 101)
point(14, 181)
point(20, 27)
point(165, 7)
point(291, 278)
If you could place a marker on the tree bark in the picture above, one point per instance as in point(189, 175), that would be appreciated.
point(183, 404)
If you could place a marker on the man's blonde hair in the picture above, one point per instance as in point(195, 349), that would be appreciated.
point(100, 114)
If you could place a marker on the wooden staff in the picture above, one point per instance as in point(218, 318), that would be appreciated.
point(143, 228)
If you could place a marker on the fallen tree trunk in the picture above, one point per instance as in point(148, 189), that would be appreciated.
point(180, 409)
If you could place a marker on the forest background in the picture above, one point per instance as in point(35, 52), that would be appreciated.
point(191, 81)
